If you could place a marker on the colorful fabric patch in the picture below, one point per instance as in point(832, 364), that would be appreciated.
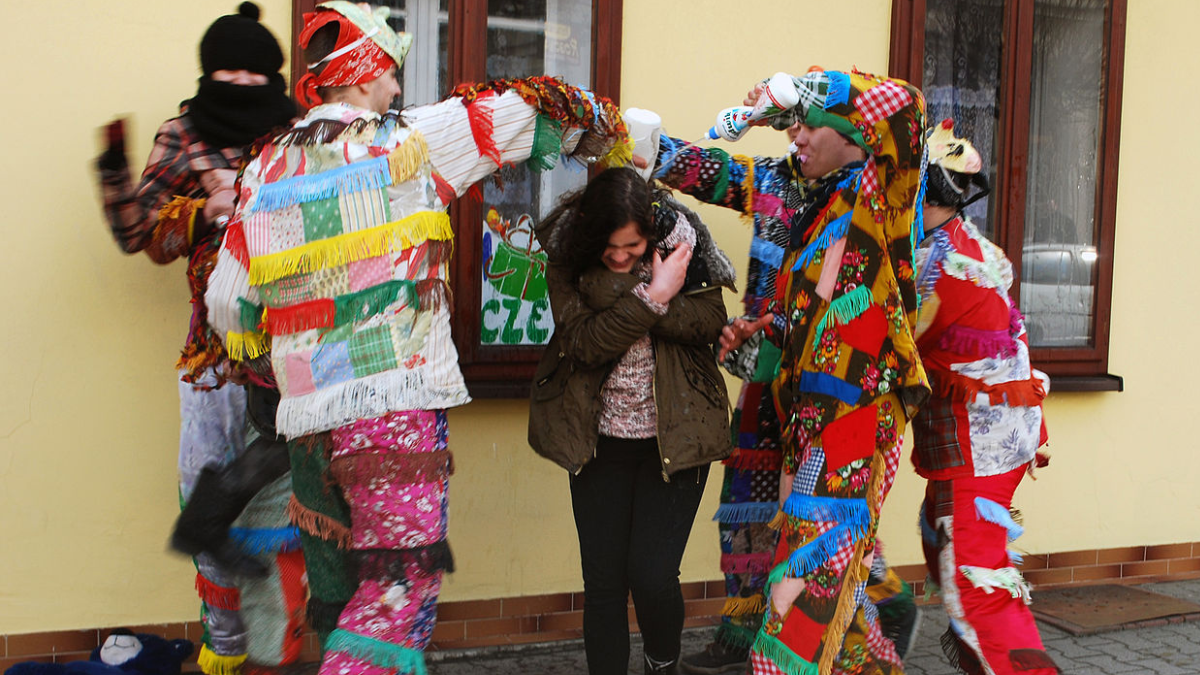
point(850, 437)
point(820, 383)
point(322, 219)
point(369, 272)
point(882, 101)
point(299, 373)
point(331, 364)
point(371, 351)
point(866, 332)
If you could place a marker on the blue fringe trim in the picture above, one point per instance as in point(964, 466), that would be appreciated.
point(851, 512)
point(832, 232)
point(667, 150)
point(838, 91)
point(816, 552)
point(992, 512)
point(747, 512)
point(365, 175)
point(931, 273)
point(404, 660)
point(918, 229)
point(766, 252)
point(820, 383)
point(255, 541)
point(1015, 558)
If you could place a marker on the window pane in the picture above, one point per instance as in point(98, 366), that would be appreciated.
point(425, 68)
point(961, 79)
point(525, 38)
point(1058, 273)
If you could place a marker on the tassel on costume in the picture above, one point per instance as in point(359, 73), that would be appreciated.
point(845, 308)
point(783, 658)
point(745, 563)
point(747, 512)
point(408, 157)
point(212, 663)
point(256, 541)
point(986, 509)
point(246, 346)
point(351, 247)
point(748, 209)
point(734, 636)
point(479, 115)
point(547, 140)
point(385, 655)
point(960, 655)
point(1032, 659)
point(832, 232)
point(744, 606)
point(318, 524)
point(220, 597)
point(370, 174)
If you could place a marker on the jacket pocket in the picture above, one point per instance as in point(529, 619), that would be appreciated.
point(550, 378)
point(702, 375)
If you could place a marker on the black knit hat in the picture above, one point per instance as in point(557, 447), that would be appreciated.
point(240, 42)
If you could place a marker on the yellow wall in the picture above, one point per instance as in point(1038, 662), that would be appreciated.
point(88, 409)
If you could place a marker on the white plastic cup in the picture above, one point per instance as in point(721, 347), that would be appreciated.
point(645, 129)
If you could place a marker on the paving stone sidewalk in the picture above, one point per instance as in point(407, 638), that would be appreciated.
point(1170, 649)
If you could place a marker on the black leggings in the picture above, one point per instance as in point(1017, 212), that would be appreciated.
point(633, 527)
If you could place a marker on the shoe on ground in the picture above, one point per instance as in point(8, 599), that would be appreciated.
point(717, 658)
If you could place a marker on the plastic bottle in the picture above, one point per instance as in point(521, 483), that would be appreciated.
point(779, 95)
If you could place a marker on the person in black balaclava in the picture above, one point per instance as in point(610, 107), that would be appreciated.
point(226, 462)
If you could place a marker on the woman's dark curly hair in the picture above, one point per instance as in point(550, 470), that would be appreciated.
point(611, 200)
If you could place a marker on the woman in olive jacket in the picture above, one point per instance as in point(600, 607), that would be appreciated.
point(629, 400)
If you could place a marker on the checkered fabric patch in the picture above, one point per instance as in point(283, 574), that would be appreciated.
point(838, 562)
point(891, 464)
point(371, 351)
point(761, 665)
point(809, 473)
point(935, 439)
point(870, 178)
point(880, 647)
point(882, 101)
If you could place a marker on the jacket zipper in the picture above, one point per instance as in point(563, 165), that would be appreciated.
point(657, 430)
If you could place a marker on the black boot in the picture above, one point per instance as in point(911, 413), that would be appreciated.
point(218, 499)
point(661, 668)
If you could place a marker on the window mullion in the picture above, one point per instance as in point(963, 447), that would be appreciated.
point(1015, 90)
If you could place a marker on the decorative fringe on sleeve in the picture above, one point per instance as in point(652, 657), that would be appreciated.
point(318, 524)
point(246, 346)
point(547, 141)
point(754, 460)
point(978, 343)
point(370, 174)
point(220, 597)
point(746, 563)
point(352, 247)
point(748, 196)
point(404, 660)
point(815, 553)
point(254, 541)
point(962, 389)
point(479, 115)
point(408, 157)
point(845, 308)
point(746, 512)
point(992, 512)
point(566, 105)
point(212, 663)
point(252, 315)
point(785, 659)
point(175, 229)
point(743, 606)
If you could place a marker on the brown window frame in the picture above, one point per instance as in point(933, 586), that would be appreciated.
point(1073, 368)
point(490, 371)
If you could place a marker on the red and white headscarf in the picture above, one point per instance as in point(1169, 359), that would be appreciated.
point(366, 48)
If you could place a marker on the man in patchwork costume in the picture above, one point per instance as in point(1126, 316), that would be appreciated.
point(980, 431)
point(336, 262)
point(177, 210)
point(789, 198)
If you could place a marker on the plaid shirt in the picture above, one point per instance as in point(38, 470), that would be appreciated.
point(171, 179)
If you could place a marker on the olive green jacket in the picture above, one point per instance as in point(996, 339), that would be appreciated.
point(596, 321)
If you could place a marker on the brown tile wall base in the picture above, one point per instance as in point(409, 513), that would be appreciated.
point(559, 616)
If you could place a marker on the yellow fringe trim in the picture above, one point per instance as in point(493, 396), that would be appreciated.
point(410, 156)
point(246, 346)
point(778, 521)
point(351, 247)
point(620, 154)
point(744, 606)
point(212, 663)
point(747, 190)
